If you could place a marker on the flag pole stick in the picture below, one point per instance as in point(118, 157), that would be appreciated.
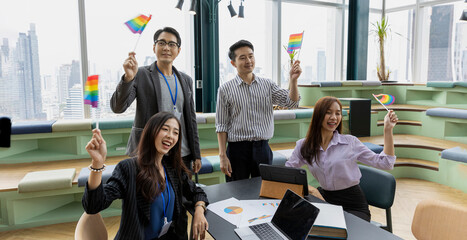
point(137, 42)
point(97, 116)
point(380, 102)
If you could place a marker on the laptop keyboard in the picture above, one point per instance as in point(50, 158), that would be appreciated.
point(265, 231)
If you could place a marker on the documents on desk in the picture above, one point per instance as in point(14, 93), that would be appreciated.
point(330, 222)
point(243, 213)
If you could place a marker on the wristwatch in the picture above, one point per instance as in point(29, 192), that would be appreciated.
point(203, 205)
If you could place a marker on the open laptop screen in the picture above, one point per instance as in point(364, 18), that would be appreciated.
point(295, 216)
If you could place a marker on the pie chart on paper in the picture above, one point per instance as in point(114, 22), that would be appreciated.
point(233, 210)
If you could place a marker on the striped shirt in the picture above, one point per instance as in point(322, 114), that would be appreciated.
point(245, 112)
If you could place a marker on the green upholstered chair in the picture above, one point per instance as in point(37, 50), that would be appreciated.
point(379, 188)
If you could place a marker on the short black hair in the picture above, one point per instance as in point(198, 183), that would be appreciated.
point(237, 45)
point(168, 30)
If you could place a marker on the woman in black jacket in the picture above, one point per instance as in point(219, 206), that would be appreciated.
point(150, 185)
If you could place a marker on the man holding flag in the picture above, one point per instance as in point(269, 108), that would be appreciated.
point(244, 114)
point(159, 87)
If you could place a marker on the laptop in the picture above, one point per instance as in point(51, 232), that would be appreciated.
point(293, 220)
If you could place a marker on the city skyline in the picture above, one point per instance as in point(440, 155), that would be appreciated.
point(29, 93)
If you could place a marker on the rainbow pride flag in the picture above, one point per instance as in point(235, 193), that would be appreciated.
point(386, 99)
point(137, 24)
point(295, 42)
point(91, 91)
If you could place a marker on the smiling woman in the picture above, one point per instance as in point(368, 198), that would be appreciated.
point(332, 157)
point(150, 185)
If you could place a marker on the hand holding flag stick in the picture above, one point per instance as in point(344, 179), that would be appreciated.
point(91, 95)
point(386, 99)
point(295, 43)
point(137, 25)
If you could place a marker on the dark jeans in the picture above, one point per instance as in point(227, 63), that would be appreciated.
point(245, 158)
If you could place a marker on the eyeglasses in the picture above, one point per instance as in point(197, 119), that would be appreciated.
point(162, 43)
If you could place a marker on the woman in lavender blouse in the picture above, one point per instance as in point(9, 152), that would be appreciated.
point(332, 157)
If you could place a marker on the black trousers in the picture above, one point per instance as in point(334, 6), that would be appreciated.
point(187, 161)
point(351, 199)
point(245, 158)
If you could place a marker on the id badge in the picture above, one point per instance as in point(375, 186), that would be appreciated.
point(177, 114)
point(165, 228)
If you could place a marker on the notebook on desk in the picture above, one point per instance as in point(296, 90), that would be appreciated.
point(293, 220)
point(330, 223)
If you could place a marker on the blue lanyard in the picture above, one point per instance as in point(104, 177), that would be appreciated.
point(163, 199)
point(174, 101)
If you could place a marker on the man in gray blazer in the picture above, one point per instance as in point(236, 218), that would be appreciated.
point(159, 87)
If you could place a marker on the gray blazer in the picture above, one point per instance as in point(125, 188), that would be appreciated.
point(146, 88)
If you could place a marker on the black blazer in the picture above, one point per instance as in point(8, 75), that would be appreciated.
point(146, 89)
point(135, 208)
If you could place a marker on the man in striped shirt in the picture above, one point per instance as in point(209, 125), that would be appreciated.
point(244, 114)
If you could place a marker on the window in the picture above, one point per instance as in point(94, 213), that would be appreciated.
point(425, 44)
point(445, 41)
point(321, 54)
point(110, 41)
point(39, 54)
point(255, 27)
point(398, 48)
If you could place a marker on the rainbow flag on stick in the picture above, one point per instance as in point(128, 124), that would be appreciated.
point(91, 91)
point(385, 100)
point(137, 24)
point(91, 95)
point(295, 42)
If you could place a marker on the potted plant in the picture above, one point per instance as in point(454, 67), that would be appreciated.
point(381, 29)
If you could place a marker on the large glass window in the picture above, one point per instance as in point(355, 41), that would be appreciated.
point(39, 56)
point(398, 47)
point(110, 41)
point(424, 44)
point(255, 27)
point(321, 53)
point(445, 41)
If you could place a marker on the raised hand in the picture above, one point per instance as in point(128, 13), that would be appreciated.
point(295, 70)
point(130, 66)
point(97, 149)
point(390, 120)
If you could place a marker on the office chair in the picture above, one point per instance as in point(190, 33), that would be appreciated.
point(435, 219)
point(379, 188)
point(91, 227)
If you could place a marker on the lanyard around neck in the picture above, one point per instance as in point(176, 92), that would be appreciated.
point(174, 101)
point(162, 194)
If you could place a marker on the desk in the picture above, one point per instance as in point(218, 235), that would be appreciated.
point(219, 228)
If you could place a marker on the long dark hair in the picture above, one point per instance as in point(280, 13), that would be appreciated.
point(148, 181)
point(311, 145)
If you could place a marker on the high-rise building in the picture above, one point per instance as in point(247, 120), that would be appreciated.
point(464, 66)
point(74, 103)
point(74, 73)
point(24, 78)
point(460, 45)
point(321, 72)
point(63, 79)
point(439, 55)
